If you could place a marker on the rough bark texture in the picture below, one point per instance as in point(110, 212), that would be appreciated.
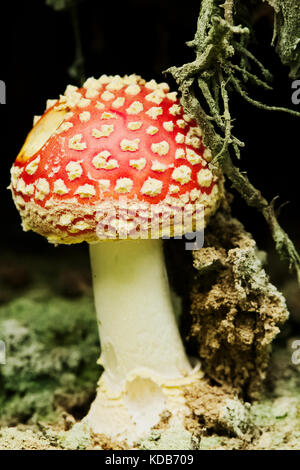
point(235, 310)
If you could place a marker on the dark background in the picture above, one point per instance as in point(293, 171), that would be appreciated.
point(143, 37)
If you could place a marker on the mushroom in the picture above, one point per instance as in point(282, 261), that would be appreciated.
point(104, 164)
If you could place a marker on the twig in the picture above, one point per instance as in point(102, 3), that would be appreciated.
point(214, 73)
point(251, 77)
point(258, 104)
point(244, 51)
point(227, 117)
point(254, 198)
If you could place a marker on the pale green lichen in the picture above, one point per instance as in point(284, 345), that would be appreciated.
point(275, 421)
point(218, 443)
point(279, 422)
point(77, 438)
point(286, 33)
point(236, 418)
point(174, 437)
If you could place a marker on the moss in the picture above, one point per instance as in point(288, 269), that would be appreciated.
point(51, 346)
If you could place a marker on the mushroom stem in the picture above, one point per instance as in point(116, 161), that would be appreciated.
point(137, 326)
point(142, 352)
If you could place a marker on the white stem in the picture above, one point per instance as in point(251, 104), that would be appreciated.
point(138, 331)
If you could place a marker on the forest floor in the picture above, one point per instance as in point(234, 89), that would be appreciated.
point(47, 322)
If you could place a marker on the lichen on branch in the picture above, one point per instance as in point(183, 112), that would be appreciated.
point(224, 64)
point(286, 33)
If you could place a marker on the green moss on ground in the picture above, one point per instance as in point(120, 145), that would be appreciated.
point(51, 346)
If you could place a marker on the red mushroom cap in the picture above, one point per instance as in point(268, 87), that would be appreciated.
point(113, 139)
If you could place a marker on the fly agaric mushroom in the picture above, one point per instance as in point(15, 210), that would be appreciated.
point(118, 138)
